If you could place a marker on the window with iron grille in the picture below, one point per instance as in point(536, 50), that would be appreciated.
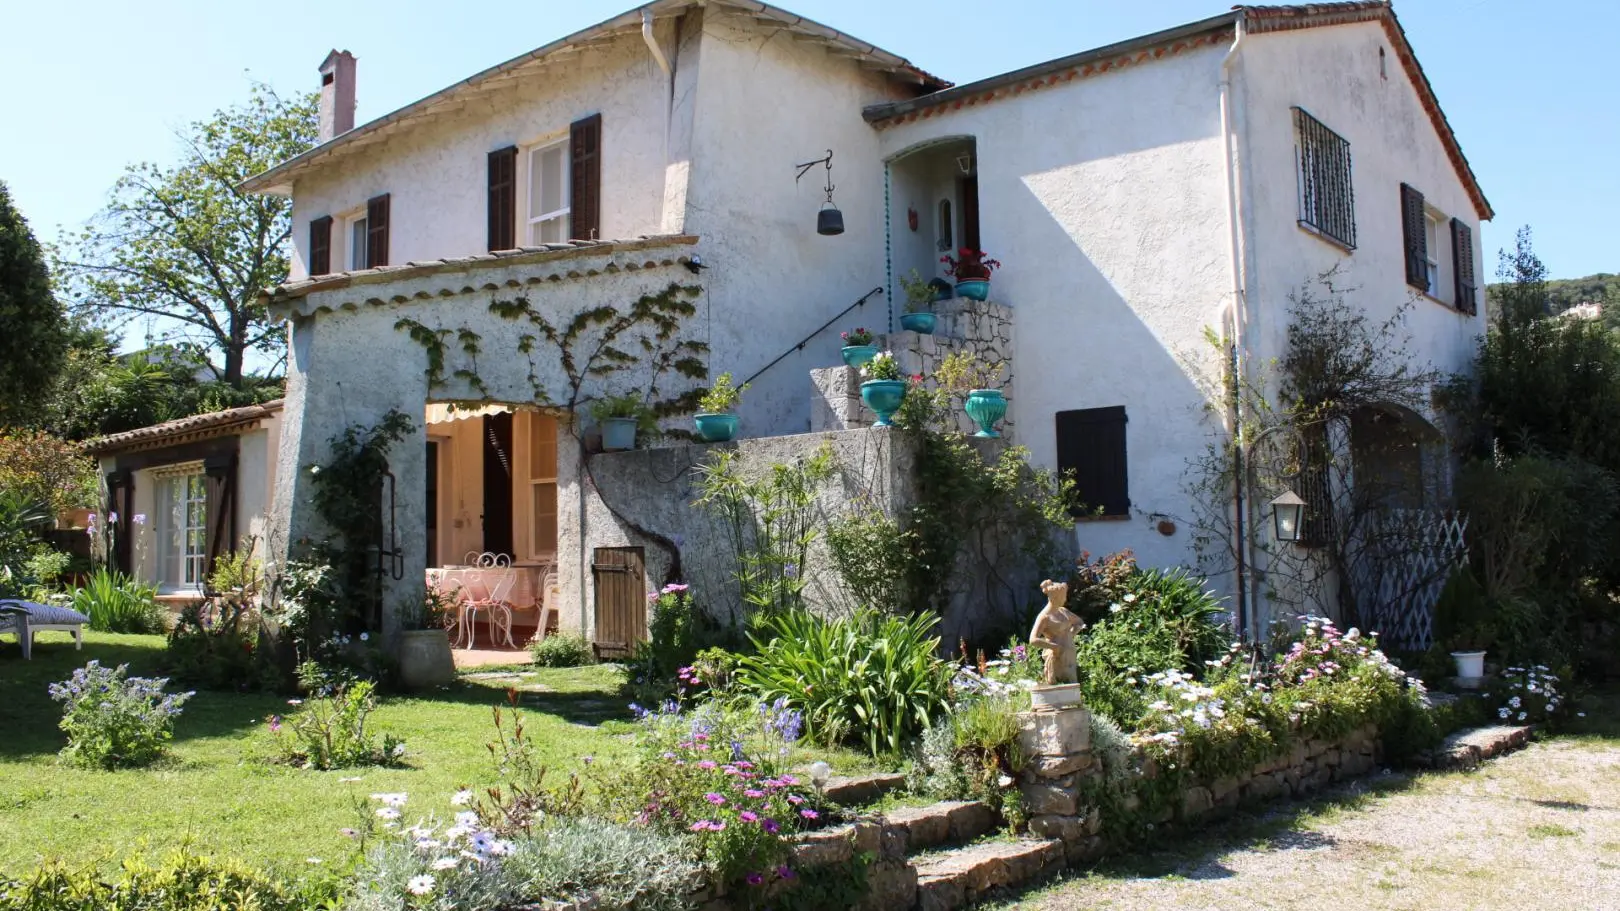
point(1327, 202)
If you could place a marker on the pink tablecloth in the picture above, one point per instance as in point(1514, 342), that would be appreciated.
point(527, 591)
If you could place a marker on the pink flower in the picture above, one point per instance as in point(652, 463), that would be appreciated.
point(707, 765)
point(754, 794)
point(784, 872)
point(789, 779)
point(809, 814)
point(715, 799)
point(755, 879)
point(795, 799)
point(701, 825)
point(743, 764)
point(771, 826)
point(748, 816)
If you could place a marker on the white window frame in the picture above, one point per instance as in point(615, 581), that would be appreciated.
point(534, 219)
point(1432, 227)
point(356, 254)
point(186, 569)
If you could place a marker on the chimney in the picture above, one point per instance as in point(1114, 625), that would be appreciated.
point(337, 94)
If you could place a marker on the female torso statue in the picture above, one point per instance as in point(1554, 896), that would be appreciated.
point(1054, 631)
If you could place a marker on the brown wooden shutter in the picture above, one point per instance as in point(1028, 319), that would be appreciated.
point(585, 178)
point(1091, 446)
point(1414, 235)
point(120, 506)
point(219, 484)
point(377, 231)
point(320, 245)
point(503, 198)
point(1462, 267)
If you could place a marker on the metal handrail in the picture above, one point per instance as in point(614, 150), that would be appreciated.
point(800, 346)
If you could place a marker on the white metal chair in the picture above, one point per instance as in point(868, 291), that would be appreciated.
point(490, 591)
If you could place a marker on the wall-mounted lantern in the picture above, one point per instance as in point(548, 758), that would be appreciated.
point(1288, 517)
point(829, 221)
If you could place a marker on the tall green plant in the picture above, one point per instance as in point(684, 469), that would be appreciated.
point(770, 520)
point(116, 603)
point(869, 677)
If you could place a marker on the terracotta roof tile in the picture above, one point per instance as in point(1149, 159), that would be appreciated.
point(169, 431)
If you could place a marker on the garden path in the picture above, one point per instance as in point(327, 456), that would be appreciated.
point(1536, 829)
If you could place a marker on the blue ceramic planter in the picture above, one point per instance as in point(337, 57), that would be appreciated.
point(922, 323)
point(884, 398)
point(716, 428)
point(986, 407)
point(859, 355)
point(974, 289)
point(618, 433)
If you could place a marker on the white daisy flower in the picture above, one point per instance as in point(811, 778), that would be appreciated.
point(462, 798)
point(420, 885)
point(445, 863)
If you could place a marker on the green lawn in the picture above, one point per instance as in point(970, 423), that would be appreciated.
point(216, 793)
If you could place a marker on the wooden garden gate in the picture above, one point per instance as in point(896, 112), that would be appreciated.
point(621, 599)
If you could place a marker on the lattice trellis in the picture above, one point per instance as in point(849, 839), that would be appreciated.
point(1403, 565)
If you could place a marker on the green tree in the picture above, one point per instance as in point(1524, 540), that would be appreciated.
point(185, 245)
point(34, 342)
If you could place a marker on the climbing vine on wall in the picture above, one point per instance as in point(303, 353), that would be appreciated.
point(996, 509)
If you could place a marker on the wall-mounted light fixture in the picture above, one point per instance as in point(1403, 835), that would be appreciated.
point(964, 163)
point(829, 220)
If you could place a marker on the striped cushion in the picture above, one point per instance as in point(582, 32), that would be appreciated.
point(44, 614)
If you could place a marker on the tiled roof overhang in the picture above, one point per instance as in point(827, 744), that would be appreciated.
point(1171, 42)
point(185, 430)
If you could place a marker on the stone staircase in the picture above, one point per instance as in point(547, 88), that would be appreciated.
point(981, 328)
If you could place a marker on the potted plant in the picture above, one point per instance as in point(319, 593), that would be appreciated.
point(919, 296)
point(1468, 645)
point(716, 420)
point(424, 642)
point(971, 269)
point(858, 347)
point(883, 389)
point(620, 416)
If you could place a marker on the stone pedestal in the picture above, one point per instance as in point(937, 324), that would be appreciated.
point(1056, 743)
point(1058, 696)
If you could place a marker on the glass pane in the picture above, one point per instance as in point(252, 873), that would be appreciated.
point(542, 446)
point(554, 230)
point(357, 245)
point(545, 518)
point(552, 190)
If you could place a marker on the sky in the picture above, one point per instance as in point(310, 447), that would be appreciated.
point(1532, 89)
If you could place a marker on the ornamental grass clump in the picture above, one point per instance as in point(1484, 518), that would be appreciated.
point(114, 721)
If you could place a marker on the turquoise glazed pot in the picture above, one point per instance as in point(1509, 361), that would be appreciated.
point(986, 407)
point(883, 397)
point(922, 323)
point(716, 428)
point(859, 355)
point(618, 433)
point(974, 289)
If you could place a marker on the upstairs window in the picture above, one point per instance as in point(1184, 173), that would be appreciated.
point(548, 194)
point(1439, 253)
point(1327, 201)
point(359, 230)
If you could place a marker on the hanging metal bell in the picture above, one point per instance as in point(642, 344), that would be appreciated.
point(829, 221)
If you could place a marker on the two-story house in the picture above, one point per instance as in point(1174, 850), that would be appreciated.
point(1139, 195)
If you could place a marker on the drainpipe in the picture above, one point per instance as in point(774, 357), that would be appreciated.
point(1238, 316)
point(652, 43)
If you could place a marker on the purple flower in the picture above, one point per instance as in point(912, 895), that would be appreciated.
point(755, 879)
point(754, 794)
point(715, 799)
point(771, 826)
point(140, 518)
point(809, 814)
point(784, 872)
point(748, 816)
point(707, 765)
point(275, 724)
point(795, 799)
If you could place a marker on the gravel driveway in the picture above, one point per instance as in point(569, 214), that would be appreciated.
point(1535, 829)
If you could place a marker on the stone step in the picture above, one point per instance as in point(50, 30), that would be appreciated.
point(854, 791)
point(894, 835)
point(960, 876)
point(1467, 749)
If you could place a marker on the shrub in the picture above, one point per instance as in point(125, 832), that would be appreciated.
point(113, 721)
point(622, 866)
point(204, 650)
point(562, 650)
point(329, 732)
point(1160, 620)
point(181, 882)
point(1528, 695)
point(116, 603)
point(870, 677)
point(47, 470)
point(21, 520)
point(677, 631)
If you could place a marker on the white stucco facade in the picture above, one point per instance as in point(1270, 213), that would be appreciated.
point(1140, 198)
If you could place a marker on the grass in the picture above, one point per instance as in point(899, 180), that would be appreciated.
point(216, 793)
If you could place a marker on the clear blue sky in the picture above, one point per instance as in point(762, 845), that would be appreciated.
point(90, 85)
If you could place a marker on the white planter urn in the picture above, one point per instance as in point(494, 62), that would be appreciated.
point(1470, 668)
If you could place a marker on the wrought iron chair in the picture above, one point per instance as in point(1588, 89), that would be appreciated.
point(490, 591)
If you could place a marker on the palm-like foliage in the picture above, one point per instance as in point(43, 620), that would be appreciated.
point(868, 677)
